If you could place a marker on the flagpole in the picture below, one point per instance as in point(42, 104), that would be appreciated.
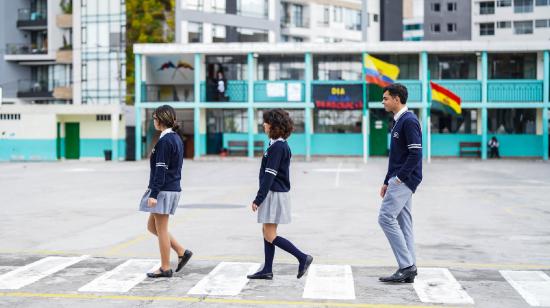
point(429, 141)
point(365, 122)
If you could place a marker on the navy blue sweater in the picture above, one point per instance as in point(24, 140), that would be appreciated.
point(406, 151)
point(166, 162)
point(275, 170)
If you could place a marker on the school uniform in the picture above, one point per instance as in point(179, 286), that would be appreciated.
point(273, 196)
point(403, 177)
point(164, 179)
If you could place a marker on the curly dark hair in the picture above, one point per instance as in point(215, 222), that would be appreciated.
point(280, 122)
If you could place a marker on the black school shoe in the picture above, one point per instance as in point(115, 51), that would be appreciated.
point(309, 260)
point(261, 275)
point(161, 274)
point(405, 275)
point(184, 259)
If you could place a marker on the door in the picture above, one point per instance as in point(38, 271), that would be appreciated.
point(378, 142)
point(72, 140)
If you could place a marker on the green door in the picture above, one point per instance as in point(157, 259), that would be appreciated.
point(72, 140)
point(58, 141)
point(378, 142)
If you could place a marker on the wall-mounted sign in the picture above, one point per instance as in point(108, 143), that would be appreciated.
point(338, 96)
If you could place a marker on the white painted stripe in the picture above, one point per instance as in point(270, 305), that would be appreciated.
point(227, 279)
point(329, 282)
point(438, 285)
point(35, 271)
point(123, 277)
point(533, 286)
point(271, 172)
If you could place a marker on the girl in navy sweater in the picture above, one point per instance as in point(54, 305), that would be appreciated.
point(272, 200)
point(163, 193)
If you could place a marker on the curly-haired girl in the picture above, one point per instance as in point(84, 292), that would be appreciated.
point(273, 201)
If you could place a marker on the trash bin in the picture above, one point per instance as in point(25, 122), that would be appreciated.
point(108, 154)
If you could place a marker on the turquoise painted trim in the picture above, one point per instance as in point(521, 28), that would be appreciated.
point(516, 90)
point(520, 145)
point(203, 144)
point(414, 89)
point(251, 97)
point(137, 104)
point(365, 129)
point(484, 96)
point(448, 144)
point(237, 90)
point(337, 144)
point(197, 111)
point(546, 101)
point(93, 148)
point(260, 91)
point(425, 115)
point(322, 82)
point(28, 149)
point(179, 105)
point(308, 98)
point(467, 90)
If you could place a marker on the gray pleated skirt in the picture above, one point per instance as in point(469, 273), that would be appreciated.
point(275, 209)
point(167, 202)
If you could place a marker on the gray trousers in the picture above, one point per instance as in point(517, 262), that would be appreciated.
point(395, 218)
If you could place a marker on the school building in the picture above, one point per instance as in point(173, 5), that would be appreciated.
point(504, 88)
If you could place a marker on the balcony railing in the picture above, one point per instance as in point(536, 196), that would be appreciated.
point(27, 18)
point(25, 49)
point(467, 90)
point(515, 90)
point(27, 88)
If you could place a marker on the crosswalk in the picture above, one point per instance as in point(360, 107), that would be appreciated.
point(228, 279)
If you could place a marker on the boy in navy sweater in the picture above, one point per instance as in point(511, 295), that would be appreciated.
point(403, 177)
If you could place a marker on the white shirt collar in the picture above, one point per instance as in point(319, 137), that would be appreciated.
point(400, 113)
point(272, 141)
point(166, 131)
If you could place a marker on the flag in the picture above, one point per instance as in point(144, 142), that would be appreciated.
point(449, 101)
point(379, 72)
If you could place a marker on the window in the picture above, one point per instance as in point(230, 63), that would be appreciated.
point(451, 27)
point(487, 8)
point(353, 19)
point(251, 35)
point(326, 16)
point(103, 117)
point(235, 121)
point(487, 29)
point(289, 38)
point(449, 66)
point(194, 32)
point(451, 6)
point(337, 14)
point(375, 17)
point(197, 5)
point(512, 121)
point(219, 34)
point(504, 3)
point(542, 2)
point(523, 6)
point(512, 66)
point(253, 8)
point(541, 23)
point(407, 63)
point(412, 27)
point(218, 6)
point(337, 121)
point(10, 116)
point(275, 67)
point(523, 27)
point(297, 117)
point(444, 123)
point(504, 24)
point(337, 67)
point(436, 28)
point(436, 7)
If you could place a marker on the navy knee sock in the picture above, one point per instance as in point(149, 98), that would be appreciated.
point(269, 251)
point(287, 246)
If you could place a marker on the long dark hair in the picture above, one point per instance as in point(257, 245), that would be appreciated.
point(280, 122)
point(166, 115)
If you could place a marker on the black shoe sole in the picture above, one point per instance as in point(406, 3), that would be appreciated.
point(165, 274)
point(184, 260)
point(309, 260)
point(263, 276)
point(403, 280)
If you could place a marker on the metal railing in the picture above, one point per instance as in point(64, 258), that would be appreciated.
point(25, 49)
point(30, 15)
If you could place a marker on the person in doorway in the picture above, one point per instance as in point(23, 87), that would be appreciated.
point(272, 201)
point(402, 178)
point(493, 147)
point(163, 193)
point(221, 86)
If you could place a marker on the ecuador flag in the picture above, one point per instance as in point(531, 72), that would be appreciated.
point(449, 100)
point(379, 72)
